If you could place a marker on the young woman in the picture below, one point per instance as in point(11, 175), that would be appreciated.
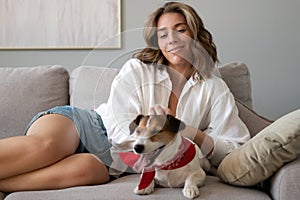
point(174, 74)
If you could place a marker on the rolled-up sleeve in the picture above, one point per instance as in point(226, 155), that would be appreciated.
point(122, 106)
point(225, 127)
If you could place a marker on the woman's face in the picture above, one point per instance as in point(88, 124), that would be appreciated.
point(174, 39)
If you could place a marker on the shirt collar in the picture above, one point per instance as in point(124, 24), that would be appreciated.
point(163, 75)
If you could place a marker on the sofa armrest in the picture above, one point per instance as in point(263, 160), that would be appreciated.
point(285, 183)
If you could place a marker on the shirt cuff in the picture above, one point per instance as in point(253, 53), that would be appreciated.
point(221, 149)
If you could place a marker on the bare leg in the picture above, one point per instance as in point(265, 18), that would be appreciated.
point(49, 139)
point(75, 170)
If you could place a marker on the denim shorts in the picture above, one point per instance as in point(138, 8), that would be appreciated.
point(90, 127)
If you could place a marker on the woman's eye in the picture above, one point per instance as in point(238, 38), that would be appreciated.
point(181, 30)
point(163, 36)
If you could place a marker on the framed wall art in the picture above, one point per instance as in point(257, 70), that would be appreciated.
point(60, 24)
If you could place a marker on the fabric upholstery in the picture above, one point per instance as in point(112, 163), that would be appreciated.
point(122, 189)
point(90, 86)
point(254, 122)
point(285, 183)
point(264, 154)
point(25, 91)
point(237, 77)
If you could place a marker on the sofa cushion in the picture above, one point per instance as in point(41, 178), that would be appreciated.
point(28, 90)
point(237, 77)
point(122, 189)
point(264, 154)
point(90, 86)
point(285, 183)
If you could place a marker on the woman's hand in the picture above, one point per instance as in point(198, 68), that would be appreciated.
point(159, 110)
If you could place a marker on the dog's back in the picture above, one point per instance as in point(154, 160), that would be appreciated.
point(177, 177)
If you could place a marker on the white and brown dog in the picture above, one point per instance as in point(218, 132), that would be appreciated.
point(166, 158)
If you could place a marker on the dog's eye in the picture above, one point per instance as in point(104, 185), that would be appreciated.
point(137, 131)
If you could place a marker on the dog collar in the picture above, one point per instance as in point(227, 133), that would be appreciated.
point(186, 153)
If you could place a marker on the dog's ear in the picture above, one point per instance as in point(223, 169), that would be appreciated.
point(174, 125)
point(135, 123)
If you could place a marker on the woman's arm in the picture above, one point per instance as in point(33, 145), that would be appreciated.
point(204, 141)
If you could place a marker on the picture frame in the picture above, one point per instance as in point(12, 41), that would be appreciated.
point(60, 24)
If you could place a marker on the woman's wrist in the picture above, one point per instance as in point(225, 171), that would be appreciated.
point(204, 141)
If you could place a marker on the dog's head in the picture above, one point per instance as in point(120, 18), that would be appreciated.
point(153, 132)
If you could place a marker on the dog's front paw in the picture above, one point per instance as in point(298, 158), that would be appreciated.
point(190, 191)
point(147, 190)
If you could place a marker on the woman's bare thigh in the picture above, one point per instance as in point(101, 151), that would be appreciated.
point(57, 132)
point(75, 170)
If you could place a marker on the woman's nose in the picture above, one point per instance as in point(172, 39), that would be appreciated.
point(172, 37)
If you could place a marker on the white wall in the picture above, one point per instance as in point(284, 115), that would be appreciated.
point(263, 34)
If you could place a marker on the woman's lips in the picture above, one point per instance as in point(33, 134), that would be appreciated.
point(175, 49)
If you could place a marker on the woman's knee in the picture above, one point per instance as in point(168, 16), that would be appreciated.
point(54, 134)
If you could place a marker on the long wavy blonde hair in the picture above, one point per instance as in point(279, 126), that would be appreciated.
point(203, 48)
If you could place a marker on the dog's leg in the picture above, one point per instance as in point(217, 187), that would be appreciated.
point(193, 181)
point(147, 190)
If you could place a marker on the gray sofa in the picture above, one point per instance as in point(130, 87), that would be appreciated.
point(26, 91)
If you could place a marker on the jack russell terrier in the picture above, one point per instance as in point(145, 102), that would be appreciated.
point(164, 157)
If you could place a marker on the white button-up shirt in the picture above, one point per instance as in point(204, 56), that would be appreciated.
point(207, 105)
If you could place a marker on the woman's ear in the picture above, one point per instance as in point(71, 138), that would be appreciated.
point(135, 123)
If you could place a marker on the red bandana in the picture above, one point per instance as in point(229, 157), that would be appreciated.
point(186, 153)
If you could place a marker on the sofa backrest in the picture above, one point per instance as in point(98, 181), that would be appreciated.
point(90, 85)
point(237, 77)
point(26, 91)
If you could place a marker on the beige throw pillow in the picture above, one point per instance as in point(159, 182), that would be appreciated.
point(264, 154)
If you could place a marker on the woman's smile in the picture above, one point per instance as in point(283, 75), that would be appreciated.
point(175, 49)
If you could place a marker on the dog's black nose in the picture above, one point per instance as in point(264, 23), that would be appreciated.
point(138, 148)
